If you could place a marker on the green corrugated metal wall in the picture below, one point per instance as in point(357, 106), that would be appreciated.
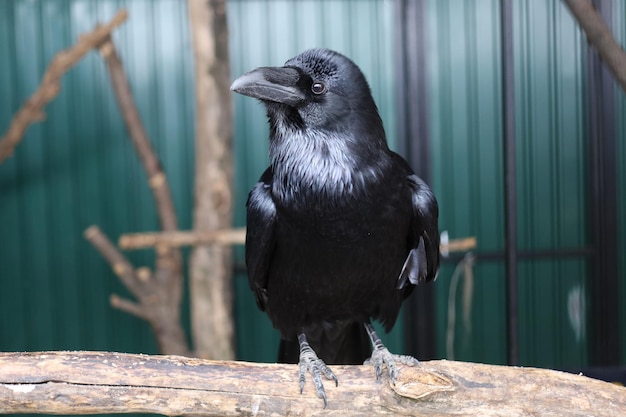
point(78, 168)
point(465, 97)
point(463, 52)
point(551, 169)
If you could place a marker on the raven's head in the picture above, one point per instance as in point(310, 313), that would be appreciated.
point(326, 136)
point(319, 90)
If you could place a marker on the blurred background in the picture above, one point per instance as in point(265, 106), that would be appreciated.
point(436, 72)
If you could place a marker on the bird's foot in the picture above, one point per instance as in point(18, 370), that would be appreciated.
point(316, 367)
point(381, 356)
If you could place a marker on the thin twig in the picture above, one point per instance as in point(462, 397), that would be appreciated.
point(138, 136)
point(120, 265)
point(128, 306)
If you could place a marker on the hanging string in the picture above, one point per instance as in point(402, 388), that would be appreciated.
point(463, 269)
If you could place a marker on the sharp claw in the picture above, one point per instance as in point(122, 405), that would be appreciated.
point(314, 369)
point(328, 374)
point(302, 373)
point(393, 372)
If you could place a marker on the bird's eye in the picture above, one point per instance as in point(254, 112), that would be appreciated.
point(318, 88)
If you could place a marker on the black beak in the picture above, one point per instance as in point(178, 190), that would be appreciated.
point(277, 84)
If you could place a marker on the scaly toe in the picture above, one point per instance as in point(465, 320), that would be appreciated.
point(382, 356)
point(316, 367)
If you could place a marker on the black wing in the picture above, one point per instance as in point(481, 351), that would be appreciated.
point(260, 242)
point(422, 263)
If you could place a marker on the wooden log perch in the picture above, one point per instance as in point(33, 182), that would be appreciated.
point(98, 382)
point(32, 111)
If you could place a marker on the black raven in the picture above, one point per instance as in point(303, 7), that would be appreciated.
point(339, 228)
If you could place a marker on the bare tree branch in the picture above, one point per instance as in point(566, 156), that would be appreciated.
point(32, 111)
point(233, 237)
point(127, 306)
point(177, 239)
point(599, 35)
point(97, 382)
point(159, 293)
point(155, 305)
point(138, 136)
point(119, 264)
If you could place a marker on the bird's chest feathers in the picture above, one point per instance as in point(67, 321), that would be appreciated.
point(319, 173)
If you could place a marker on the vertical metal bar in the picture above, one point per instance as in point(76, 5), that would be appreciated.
point(510, 186)
point(418, 141)
point(400, 27)
point(414, 144)
point(602, 203)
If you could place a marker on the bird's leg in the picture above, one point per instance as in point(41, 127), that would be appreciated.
point(310, 362)
point(381, 356)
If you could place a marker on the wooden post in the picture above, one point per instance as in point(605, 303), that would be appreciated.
point(210, 267)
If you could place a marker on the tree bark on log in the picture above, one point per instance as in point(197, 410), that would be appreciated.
point(210, 267)
point(98, 382)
